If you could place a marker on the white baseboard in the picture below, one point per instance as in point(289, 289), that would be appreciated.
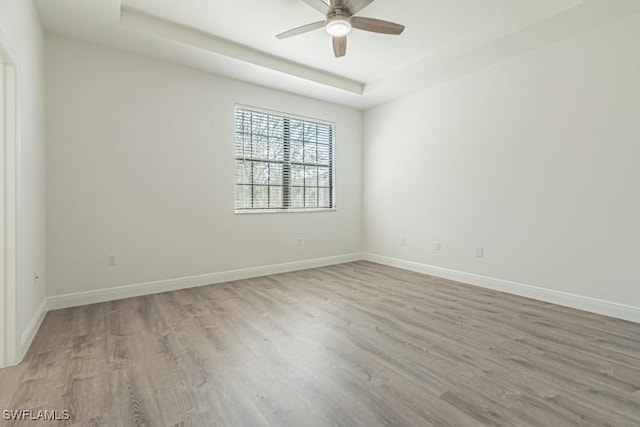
point(32, 328)
point(607, 308)
point(110, 294)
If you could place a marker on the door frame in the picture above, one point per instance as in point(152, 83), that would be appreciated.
point(9, 161)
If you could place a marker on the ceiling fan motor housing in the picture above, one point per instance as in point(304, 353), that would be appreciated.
point(338, 24)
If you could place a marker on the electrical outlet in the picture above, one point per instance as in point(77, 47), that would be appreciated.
point(36, 277)
point(299, 241)
point(403, 241)
point(479, 251)
point(438, 246)
point(111, 260)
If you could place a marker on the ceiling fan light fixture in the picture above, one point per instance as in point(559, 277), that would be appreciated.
point(340, 19)
point(339, 26)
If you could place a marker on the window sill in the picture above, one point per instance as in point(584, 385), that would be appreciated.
point(283, 211)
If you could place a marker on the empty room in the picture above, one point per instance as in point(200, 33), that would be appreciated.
point(320, 212)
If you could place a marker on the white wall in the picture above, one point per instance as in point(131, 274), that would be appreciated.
point(21, 29)
point(140, 165)
point(536, 159)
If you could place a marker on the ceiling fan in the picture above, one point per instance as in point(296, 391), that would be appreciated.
point(340, 20)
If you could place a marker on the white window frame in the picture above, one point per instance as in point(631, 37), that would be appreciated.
point(287, 162)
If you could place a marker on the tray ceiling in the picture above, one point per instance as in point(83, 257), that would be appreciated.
point(443, 39)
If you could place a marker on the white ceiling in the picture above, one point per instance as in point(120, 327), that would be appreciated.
point(430, 25)
point(443, 39)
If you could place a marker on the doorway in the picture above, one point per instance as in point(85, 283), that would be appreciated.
point(8, 206)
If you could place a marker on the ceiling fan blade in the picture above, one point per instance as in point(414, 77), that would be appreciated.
point(320, 6)
point(301, 30)
point(376, 25)
point(355, 6)
point(340, 46)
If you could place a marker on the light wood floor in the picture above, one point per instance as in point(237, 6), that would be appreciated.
point(357, 344)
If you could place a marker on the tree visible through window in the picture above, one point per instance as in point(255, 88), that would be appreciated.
point(283, 163)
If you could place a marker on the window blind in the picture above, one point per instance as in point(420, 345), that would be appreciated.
point(283, 162)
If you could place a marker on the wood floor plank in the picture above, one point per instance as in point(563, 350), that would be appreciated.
point(356, 344)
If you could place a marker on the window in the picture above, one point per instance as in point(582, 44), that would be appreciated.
point(283, 163)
